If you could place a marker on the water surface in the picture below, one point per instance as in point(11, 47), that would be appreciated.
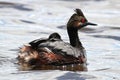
point(25, 20)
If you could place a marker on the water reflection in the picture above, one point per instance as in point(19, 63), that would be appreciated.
point(75, 76)
point(71, 67)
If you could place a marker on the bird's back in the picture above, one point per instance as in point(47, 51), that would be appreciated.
point(62, 48)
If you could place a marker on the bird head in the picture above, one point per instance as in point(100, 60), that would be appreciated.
point(78, 20)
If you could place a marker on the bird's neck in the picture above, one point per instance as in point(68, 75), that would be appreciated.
point(73, 37)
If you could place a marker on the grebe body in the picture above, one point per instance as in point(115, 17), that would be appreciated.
point(53, 52)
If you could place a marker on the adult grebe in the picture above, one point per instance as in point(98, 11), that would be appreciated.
point(53, 52)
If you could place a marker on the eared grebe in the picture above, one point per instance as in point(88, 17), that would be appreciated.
point(53, 52)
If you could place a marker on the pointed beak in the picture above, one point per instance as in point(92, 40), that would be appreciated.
point(89, 23)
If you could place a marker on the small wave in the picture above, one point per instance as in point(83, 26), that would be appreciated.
point(3, 60)
point(6, 60)
point(15, 6)
point(102, 69)
point(108, 37)
point(26, 21)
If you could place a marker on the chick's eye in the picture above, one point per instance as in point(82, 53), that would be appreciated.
point(82, 20)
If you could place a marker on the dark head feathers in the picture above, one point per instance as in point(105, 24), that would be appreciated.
point(54, 36)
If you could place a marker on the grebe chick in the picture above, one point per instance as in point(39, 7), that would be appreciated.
point(54, 36)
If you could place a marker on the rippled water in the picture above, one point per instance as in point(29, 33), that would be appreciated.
point(25, 20)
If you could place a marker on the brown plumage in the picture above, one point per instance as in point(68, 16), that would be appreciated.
point(53, 51)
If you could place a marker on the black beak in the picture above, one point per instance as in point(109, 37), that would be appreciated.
point(87, 23)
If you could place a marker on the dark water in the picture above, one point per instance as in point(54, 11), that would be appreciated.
point(25, 20)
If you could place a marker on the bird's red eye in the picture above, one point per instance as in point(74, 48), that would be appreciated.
point(82, 20)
